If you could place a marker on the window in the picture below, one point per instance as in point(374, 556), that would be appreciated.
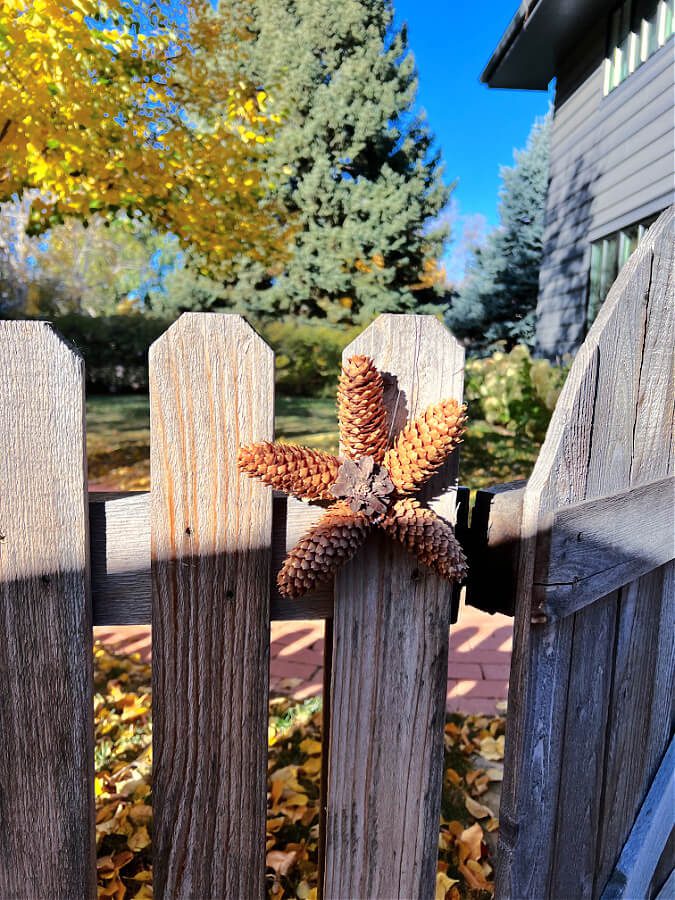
point(637, 28)
point(608, 256)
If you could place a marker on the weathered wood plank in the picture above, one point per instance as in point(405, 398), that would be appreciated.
point(119, 527)
point(390, 663)
point(119, 532)
point(648, 836)
point(602, 544)
point(667, 892)
point(588, 452)
point(579, 823)
point(541, 656)
point(462, 534)
point(293, 519)
point(663, 879)
point(119, 535)
point(47, 844)
point(640, 703)
point(644, 676)
point(494, 544)
point(211, 389)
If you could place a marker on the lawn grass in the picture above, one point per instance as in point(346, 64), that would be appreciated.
point(118, 441)
point(307, 420)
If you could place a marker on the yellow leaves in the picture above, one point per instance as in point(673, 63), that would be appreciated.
point(281, 862)
point(452, 776)
point(140, 839)
point(433, 273)
point(470, 843)
point(312, 766)
point(122, 783)
point(477, 810)
point(140, 813)
point(305, 892)
point(134, 711)
point(124, 813)
point(310, 746)
point(492, 749)
point(296, 799)
point(476, 874)
point(443, 885)
point(466, 841)
point(78, 131)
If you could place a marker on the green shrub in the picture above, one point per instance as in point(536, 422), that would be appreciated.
point(513, 390)
point(115, 350)
point(307, 356)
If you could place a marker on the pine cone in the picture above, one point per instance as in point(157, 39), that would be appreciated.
point(423, 445)
point(361, 411)
point(365, 486)
point(307, 474)
point(317, 556)
point(427, 537)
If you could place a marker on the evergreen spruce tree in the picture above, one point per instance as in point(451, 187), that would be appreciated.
point(497, 299)
point(352, 162)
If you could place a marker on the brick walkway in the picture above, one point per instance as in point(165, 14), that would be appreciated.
point(478, 669)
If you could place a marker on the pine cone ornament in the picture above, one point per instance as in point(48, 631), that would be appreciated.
point(369, 487)
point(365, 486)
point(424, 445)
point(320, 553)
point(361, 411)
point(307, 474)
point(427, 537)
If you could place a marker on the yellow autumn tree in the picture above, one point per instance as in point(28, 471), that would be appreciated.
point(111, 107)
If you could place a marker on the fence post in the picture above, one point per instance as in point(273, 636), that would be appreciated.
point(47, 845)
point(211, 390)
point(390, 655)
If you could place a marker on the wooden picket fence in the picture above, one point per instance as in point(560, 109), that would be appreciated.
point(583, 554)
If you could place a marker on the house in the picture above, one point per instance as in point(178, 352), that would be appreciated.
point(612, 147)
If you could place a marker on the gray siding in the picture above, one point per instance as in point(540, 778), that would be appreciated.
point(612, 164)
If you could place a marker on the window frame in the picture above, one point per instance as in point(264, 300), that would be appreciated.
point(636, 30)
point(603, 270)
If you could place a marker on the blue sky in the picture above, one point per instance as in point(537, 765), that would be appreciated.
point(477, 128)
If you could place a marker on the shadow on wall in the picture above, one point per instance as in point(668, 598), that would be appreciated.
point(562, 307)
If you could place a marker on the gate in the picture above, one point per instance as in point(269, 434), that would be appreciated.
point(588, 559)
point(592, 678)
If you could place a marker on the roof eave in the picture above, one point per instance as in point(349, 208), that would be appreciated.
point(507, 40)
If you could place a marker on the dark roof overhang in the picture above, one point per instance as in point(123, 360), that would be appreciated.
point(536, 39)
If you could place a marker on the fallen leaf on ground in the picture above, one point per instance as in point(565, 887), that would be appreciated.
point(443, 885)
point(124, 805)
point(477, 810)
point(470, 843)
point(281, 862)
point(492, 748)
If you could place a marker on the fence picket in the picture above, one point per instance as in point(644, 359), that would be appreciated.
point(644, 676)
point(582, 687)
point(211, 389)
point(390, 662)
point(46, 692)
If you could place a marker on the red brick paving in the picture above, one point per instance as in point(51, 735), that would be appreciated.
point(478, 668)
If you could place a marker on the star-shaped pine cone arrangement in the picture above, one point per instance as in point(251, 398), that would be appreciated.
point(371, 486)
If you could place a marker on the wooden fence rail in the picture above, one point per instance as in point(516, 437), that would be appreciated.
point(194, 556)
point(583, 554)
